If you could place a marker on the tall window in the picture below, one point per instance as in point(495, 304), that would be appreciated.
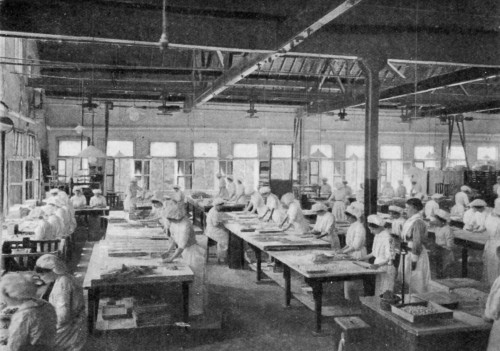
point(321, 163)
point(124, 147)
point(185, 173)
point(456, 156)
point(391, 164)
point(424, 157)
point(142, 171)
point(163, 149)
point(487, 153)
point(120, 168)
point(281, 162)
point(206, 165)
point(246, 163)
point(68, 164)
point(355, 165)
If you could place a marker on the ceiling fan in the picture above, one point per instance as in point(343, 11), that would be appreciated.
point(342, 116)
point(166, 110)
point(89, 104)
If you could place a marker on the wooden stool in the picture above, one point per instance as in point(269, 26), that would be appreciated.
point(353, 332)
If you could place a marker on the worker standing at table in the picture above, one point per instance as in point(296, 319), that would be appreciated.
point(55, 221)
point(461, 201)
point(256, 204)
point(417, 267)
point(67, 298)
point(78, 200)
point(221, 186)
point(444, 238)
point(131, 195)
point(178, 195)
point(492, 310)
point(475, 217)
point(415, 188)
point(348, 189)
point(338, 200)
point(491, 264)
point(325, 225)
point(294, 216)
point(96, 201)
point(325, 190)
point(401, 190)
point(355, 246)
point(388, 190)
point(186, 246)
point(64, 212)
point(68, 206)
point(43, 229)
point(33, 325)
point(273, 205)
point(231, 188)
point(239, 196)
point(216, 231)
point(383, 250)
point(432, 205)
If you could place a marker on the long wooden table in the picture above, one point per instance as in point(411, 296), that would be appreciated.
point(124, 239)
point(468, 240)
point(198, 211)
point(389, 332)
point(317, 274)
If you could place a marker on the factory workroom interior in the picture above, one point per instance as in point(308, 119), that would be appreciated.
point(213, 175)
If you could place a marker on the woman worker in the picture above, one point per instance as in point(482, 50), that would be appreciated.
point(216, 231)
point(178, 195)
point(33, 325)
point(338, 199)
point(193, 255)
point(445, 239)
point(417, 267)
point(78, 200)
point(239, 195)
point(221, 186)
point(231, 188)
point(273, 205)
point(131, 195)
point(461, 201)
point(96, 201)
point(294, 217)
point(67, 298)
point(325, 225)
point(491, 264)
point(492, 310)
point(355, 246)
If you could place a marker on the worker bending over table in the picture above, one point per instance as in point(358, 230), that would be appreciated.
point(475, 216)
point(273, 205)
point(294, 219)
point(355, 246)
point(185, 246)
point(461, 201)
point(216, 230)
point(492, 310)
point(338, 200)
point(67, 298)
point(325, 225)
point(256, 204)
point(33, 324)
point(131, 195)
point(432, 205)
point(491, 264)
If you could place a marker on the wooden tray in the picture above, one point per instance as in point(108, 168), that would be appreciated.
point(441, 298)
point(116, 312)
point(442, 313)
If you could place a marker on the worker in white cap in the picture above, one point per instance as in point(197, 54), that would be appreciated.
point(256, 203)
point(33, 325)
point(325, 190)
point(355, 246)
point(78, 200)
point(55, 221)
point(492, 309)
point(491, 263)
point(384, 252)
point(338, 201)
point(178, 195)
point(131, 195)
point(445, 239)
point(360, 194)
point(231, 188)
point(348, 189)
point(185, 246)
point(416, 188)
point(461, 201)
point(432, 205)
point(67, 298)
point(239, 195)
point(475, 217)
point(401, 190)
point(221, 185)
point(273, 205)
point(98, 200)
point(397, 220)
point(43, 229)
point(325, 225)
point(65, 214)
point(388, 191)
point(294, 219)
point(216, 230)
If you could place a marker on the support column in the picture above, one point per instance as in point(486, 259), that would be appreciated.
point(371, 67)
point(107, 106)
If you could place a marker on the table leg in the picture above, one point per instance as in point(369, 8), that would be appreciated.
point(185, 301)
point(288, 288)
point(317, 290)
point(465, 257)
point(258, 257)
point(92, 307)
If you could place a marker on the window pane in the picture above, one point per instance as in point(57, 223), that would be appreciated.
point(327, 150)
point(487, 153)
point(355, 150)
point(30, 193)
point(145, 167)
point(421, 152)
point(245, 151)
point(137, 167)
point(282, 151)
point(71, 148)
point(161, 149)
point(29, 170)
point(15, 171)
point(206, 150)
point(457, 153)
point(15, 195)
point(126, 148)
point(390, 152)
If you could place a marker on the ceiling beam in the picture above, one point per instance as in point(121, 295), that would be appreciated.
point(254, 61)
point(460, 77)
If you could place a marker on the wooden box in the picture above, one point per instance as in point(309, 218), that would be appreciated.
point(441, 312)
point(116, 312)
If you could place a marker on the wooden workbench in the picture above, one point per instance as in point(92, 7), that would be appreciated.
point(468, 240)
point(199, 211)
point(390, 332)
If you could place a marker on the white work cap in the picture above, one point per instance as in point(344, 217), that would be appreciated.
point(478, 203)
point(317, 207)
point(375, 219)
point(265, 190)
point(353, 211)
point(77, 188)
point(97, 191)
point(437, 196)
point(465, 188)
point(288, 198)
point(218, 201)
point(397, 209)
point(324, 179)
point(52, 201)
point(16, 286)
point(54, 191)
point(442, 214)
point(52, 262)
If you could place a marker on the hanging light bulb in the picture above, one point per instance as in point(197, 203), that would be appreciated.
point(318, 154)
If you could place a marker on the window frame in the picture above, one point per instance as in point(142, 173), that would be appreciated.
point(163, 142)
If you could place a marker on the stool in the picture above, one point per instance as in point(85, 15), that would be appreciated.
point(353, 332)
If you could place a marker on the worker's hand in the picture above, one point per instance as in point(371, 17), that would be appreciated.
point(167, 260)
point(374, 266)
point(164, 255)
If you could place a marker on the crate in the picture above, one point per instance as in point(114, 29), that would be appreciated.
point(441, 312)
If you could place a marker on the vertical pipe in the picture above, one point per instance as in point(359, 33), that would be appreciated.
point(2, 189)
point(106, 134)
point(371, 70)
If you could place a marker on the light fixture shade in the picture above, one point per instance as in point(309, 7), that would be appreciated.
point(79, 129)
point(318, 154)
point(6, 124)
point(353, 157)
point(119, 154)
point(431, 155)
point(92, 151)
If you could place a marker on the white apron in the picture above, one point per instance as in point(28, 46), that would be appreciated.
point(491, 264)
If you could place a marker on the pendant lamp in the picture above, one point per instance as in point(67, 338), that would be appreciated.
point(91, 151)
